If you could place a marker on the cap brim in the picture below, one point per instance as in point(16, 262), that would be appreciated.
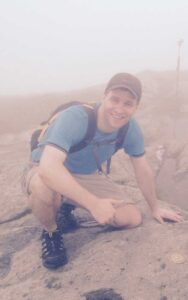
point(123, 86)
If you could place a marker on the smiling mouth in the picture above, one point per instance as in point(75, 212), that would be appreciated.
point(117, 117)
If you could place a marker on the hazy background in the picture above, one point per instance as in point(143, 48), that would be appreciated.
point(54, 46)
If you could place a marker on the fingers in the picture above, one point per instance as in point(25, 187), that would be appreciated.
point(168, 216)
point(177, 218)
point(173, 216)
point(159, 219)
point(112, 221)
point(104, 212)
point(116, 203)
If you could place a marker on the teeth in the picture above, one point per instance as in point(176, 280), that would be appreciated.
point(117, 117)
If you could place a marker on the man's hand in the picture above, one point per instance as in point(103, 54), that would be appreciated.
point(162, 214)
point(104, 211)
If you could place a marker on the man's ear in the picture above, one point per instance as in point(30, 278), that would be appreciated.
point(105, 94)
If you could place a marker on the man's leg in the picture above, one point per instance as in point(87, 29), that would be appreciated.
point(127, 214)
point(45, 203)
point(66, 220)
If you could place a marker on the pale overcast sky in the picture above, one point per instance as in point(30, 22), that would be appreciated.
point(58, 45)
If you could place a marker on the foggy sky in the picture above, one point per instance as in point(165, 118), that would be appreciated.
point(53, 46)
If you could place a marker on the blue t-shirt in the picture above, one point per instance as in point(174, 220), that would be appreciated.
point(70, 128)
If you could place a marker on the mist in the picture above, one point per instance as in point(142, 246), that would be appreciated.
point(57, 46)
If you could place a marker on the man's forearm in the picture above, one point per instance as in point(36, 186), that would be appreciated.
point(147, 185)
point(146, 181)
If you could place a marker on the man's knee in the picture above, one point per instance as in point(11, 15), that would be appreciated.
point(41, 192)
point(128, 216)
point(136, 218)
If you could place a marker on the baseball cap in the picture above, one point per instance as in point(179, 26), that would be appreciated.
point(125, 81)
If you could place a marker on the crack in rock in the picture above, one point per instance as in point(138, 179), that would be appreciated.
point(103, 294)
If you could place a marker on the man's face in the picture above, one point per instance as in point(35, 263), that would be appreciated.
point(117, 108)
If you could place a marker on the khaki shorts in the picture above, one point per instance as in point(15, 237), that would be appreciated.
point(98, 184)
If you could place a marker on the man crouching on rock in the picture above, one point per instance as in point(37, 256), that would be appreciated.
point(56, 174)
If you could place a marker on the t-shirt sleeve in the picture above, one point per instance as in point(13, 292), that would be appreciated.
point(134, 140)
point(68, 129)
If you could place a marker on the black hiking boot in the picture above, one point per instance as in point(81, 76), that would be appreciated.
point(65, 219)
point(53, 251)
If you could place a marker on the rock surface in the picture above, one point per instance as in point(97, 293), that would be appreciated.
point(149, 262)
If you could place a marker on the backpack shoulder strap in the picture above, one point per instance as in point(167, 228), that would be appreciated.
point(119, 143)
point(121, 136)
point(91, 129)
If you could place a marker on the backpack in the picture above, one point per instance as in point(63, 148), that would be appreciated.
point(39, 132)
point(91, 110)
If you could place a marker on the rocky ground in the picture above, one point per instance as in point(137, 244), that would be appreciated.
point(149, 262)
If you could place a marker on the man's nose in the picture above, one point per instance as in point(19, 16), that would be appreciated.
point(120, 108)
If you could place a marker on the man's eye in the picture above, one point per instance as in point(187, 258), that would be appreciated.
point(130, 104)
point(115, 100)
